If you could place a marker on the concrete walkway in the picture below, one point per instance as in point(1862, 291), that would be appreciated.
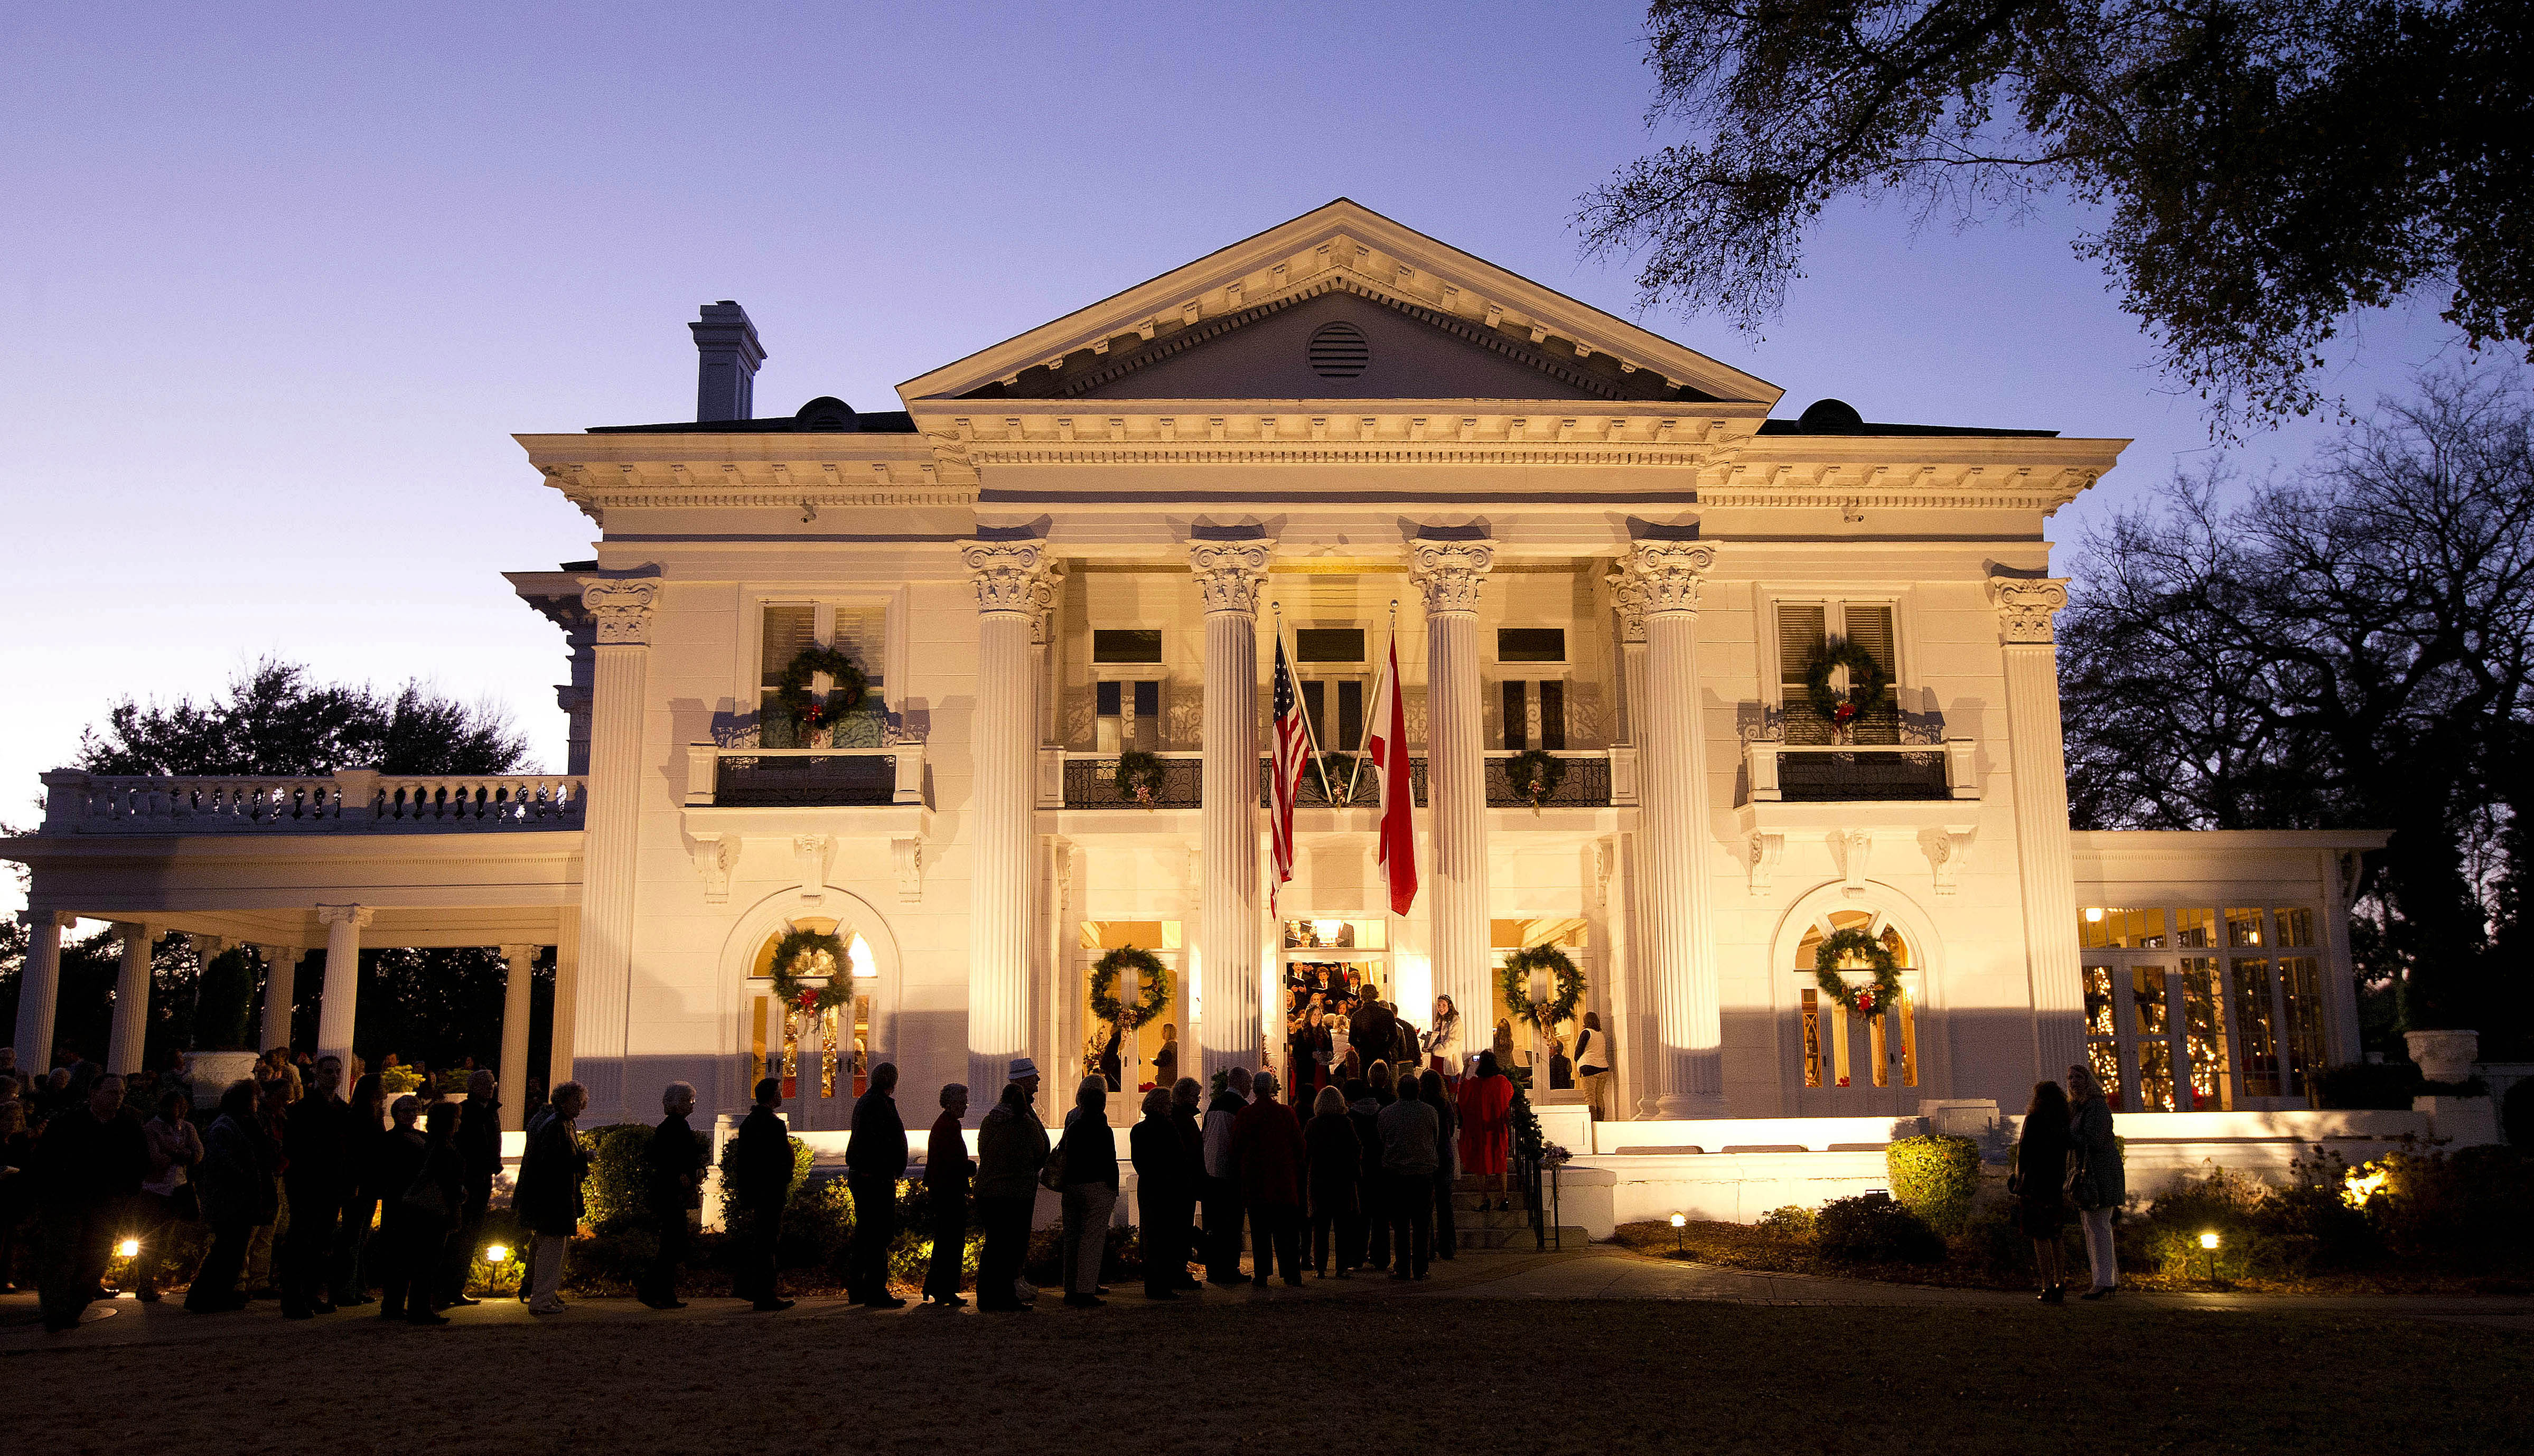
point(1597, 1273)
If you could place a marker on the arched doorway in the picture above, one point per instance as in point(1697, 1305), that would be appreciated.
point(823, 1058)
point(1838, 1062)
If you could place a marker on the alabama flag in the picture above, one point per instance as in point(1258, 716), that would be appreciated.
point(1385, 740)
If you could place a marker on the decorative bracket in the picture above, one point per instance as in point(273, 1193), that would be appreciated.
point(1855, 851)
point(1767, 848)
point(906, 856)
point(811, 851)
point(716, 855)
point(1946, 848)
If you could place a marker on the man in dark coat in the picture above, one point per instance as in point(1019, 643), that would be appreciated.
point(946, 1169)
point(1011, 1148)
point(672, 1181)
point(89, 1164)
point(1222, 1191)
point(1372, 1032)
point(1267, 1148)
point(316, 1145)
point(875, 1160)
point(478, 1144)
point(761, 1166)
point(549, 1199)
point(1188, 1116)
point(398, 1162)
point(1164, 1193)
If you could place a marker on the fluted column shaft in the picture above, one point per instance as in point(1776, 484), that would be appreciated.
point(1228, 576)
point(1011, 586)
point(280, 993)
point(338, 1010)
point(520, 970)
point(611, 842)
point(1449, 572)
point(1638, 1031)
point(131, 1003)
point(39, 988)
point(1689, 1074)
point(2044, 851)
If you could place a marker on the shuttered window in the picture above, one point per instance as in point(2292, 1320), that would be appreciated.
point(1804, 628)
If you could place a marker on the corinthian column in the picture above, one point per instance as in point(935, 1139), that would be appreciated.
point(1447, 573)
point(1228, 574)
point(1689, 1072)
point(1635, 1001)
point(2044, 853)
point(130, 1002)
point(1010, 580)
point(602, 1010)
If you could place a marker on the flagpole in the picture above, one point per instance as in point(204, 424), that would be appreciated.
point(1300, 706)
point(1371, 705)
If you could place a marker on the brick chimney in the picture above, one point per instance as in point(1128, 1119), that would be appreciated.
point(726, 369)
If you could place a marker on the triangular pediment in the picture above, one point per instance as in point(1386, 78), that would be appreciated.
point(1267, 319)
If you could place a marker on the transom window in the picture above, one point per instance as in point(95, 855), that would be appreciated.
point(1841, 1049)
point(1126, 644)
point(1804, 631)
point(2201, 1009)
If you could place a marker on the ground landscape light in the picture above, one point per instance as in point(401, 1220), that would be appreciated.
point(2208, 1241)
point(129, 1247)
point(495, 1254)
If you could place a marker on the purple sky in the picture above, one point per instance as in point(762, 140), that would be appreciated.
point(280, 288)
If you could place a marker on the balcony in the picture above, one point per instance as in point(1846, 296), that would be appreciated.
point(1089, 780)
point(356, 801)
point(1817, 774)
point(719, 778)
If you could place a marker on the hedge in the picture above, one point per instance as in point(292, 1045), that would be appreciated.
point(1935, 1177)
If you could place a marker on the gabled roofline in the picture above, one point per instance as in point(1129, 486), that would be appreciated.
point(1436, 275)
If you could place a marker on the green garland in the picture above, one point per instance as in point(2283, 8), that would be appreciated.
point(1150, 973)
point(1868, 1002)
point(1534, 775)
point(1867, 683)
point(1513, 984)
point(1140, 777)
point(792, 691)
point(800, 944)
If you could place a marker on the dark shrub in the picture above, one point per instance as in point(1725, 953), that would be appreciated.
point(2367, 1087)
point(618, 1157)
point(2517, 1114)
point(1793, 1223)
point(1873, 1228)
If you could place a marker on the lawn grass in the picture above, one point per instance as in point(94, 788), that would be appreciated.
point(1407, 1376)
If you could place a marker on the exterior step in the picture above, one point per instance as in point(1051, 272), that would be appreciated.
point(1521, 1240)
point(1473, 1201)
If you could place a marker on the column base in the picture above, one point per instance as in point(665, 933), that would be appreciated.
point(1688, 1105)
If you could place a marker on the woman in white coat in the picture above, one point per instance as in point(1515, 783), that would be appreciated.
point(1442, 1044)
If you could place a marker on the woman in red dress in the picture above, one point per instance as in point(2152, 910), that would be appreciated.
point(1486, 1124)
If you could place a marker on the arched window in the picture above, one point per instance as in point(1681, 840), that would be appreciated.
point(1842, 1050)
point(836, 1042)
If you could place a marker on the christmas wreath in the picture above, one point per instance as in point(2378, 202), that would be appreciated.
point(804, 952)
point(807, 711)
point(1868, 1002)
point(1536, 774)
point(1150, 1002)
point(1513, 984)
point(1139, 776)
point(1867, 683)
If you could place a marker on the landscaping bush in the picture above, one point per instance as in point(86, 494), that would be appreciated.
point(1792, 1223)
point(729, 1214)
point(2474, 1203)
point(1874, 1228)
point(224, 1005)
point(1935, 1177)
point(2307, 1227)
point(2367, 1087)
point(618, 1162)
point(1120, 1260)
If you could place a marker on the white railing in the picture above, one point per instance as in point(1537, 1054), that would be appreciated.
point(77, 802)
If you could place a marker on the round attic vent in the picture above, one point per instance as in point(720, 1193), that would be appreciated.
point(1340, 351)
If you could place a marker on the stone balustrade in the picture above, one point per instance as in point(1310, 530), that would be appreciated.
point(355, 799)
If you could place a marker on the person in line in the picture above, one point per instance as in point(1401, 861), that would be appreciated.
point(1187, 1120)
point(316, 1151)
point(1166, 1062)
point(875, 1161)
point(227, 1185)
point(17, 1182)
point(92, 1161)
point(1447, 1160)
point(1089, 1185)
point(1334, 1161)
point(1222, 1213)
point(2101, 1184)
point(175, 1148)
point(1378, 1080)
point(478, 1142)
point(762, 1168)
point(1486, 1124)
point(2039, 1181)
point(1372, 1028)
point(1011, 1151)
point(549, 1200)
point(364, 1129)
point(673, 1183)
point(1502, 1045)
point(1408, 1134)
point(400, 1163)
point(1164, 1194)
point(1592, 1063)
point(279, 1090)
point(1370, 1249)
point(1442, 1044)
point(946, 1170)
point(430, 1207)
point(1267, 1147)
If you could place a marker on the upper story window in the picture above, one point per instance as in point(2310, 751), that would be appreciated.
point(1530, 678)
point(1329, 662)
point(790, 628)
point(1126, 645)
point(1129, 713)
point(1805, 630)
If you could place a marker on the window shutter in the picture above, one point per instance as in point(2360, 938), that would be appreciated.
point(1517, 716)
point(1553, 715)
point(790, 630)
point(1870, 627)
point(861, 633)
point(1800, 628)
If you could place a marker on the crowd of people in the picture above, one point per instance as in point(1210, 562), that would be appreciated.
point(371, 1193)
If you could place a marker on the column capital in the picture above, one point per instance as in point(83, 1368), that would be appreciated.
point(1630, 599)
point(1666, 575)
point(2024, 605)
point(519, 952)
point(337, 914)
point(622, 610)
point(1009, 575)
point(1228, 572)
point(1448, 571)
point(1043, 595)
point(281, 955)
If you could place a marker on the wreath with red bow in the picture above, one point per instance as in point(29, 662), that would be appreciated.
point(1867, 683)
point(814, 953)
point(1868, 1002)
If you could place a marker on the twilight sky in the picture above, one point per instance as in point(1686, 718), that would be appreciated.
point(283, 281)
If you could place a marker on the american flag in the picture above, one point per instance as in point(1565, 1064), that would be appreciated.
point(1284, 782)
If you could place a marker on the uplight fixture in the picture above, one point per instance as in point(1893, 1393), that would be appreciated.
point(129, 1248)
point(1679, 1225)
point(495, 1254)
point(2208, 1243)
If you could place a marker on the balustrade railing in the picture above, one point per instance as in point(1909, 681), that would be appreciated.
point(355, 799)
point(1089, 780)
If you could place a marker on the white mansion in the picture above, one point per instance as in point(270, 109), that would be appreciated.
point(1086, 541)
